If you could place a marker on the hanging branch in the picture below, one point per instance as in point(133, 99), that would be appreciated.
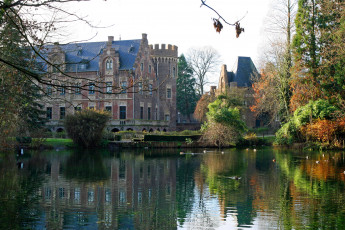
point(219, 26)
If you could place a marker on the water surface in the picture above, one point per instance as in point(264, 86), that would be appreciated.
point(162, 189)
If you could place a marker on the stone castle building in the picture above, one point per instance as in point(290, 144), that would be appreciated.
point(240, 78)
point(134, 81)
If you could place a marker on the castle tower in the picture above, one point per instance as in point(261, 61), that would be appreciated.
point(165, 64)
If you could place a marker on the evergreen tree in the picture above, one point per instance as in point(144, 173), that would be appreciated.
point(185, 87)
point(318, 51)
point(19, 111)
point(332, 37)
point(306, 49)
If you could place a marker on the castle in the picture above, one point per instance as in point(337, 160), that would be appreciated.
point(240, 78)
point(134, 81)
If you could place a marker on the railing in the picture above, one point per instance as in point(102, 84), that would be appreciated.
point(121, 122)
point(131, 122)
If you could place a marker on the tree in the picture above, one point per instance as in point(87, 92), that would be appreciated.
point(306, 54)
point(202, 107)
point(85, 127)
point(224, 125)
point(203, 62)
point(20, 113)
point(273, 88)
point(186, 97)
point(318, 47)
point(332, 51)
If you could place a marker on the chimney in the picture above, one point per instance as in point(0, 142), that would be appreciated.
point(110, 40)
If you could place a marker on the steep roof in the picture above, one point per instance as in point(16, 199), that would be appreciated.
point(244, 70)
point(88, 53)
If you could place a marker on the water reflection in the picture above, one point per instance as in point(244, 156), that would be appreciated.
point(265, 189)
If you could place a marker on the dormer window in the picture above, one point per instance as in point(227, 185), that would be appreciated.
point(109, 64)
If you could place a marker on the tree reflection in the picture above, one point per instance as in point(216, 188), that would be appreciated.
point(85, 165)
point(19, 200)
point(315, 184)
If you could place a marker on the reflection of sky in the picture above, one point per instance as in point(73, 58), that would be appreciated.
point(206, 214)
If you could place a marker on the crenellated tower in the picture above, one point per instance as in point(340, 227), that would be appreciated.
point(165, 65)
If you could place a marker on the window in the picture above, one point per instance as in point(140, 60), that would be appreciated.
point(168, 93)
point(62, 90)
point(124, 87)
point(150, 69)
point(77, 109)
point(108, 108)
point(174, 72)
point(82, 66)
point(122, 112)
point(140, 85)
point(92, 88)
point(150, 89)
point(141, 112)
point(62, 112)
point(148, 113)
point(77, 88)
point(49, 90)
point(109, 64)
point(167, 117)
point(142, 66)
point(109, 87)
point(49, 112)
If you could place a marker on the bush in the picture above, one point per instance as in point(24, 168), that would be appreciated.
point(85, 128)
point(287, 134)
point(293, 130)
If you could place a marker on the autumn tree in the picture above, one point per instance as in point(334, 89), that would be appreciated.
point(273, 88)
point(202, 107)
point(186, 97)
point(203, 61)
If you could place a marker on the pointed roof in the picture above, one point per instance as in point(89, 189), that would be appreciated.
point(243, 71)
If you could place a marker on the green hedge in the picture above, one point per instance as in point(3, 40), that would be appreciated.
point(170, 138)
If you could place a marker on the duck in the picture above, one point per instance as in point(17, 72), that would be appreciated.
point(274, 160)
point(317, 162)
point(306, 157)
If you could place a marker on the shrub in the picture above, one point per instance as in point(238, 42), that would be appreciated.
point(287, 134)
point(299, 127)
point(85, 127)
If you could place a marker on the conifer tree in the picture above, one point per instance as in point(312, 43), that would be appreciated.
point(19, 110)
point(185, 87)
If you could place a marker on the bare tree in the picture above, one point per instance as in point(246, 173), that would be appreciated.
point(273, 89)
point(203, 61)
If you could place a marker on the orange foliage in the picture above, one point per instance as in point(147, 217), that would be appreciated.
point(325, 130)
point(201, 107)
point(304, 89)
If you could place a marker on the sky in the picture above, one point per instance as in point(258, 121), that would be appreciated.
point(183, 23)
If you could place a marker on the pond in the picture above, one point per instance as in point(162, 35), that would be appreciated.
point(163, 189)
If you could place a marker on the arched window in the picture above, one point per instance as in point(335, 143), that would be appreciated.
point(109, 64)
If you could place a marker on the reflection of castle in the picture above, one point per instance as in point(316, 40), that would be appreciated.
point(137, 195)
